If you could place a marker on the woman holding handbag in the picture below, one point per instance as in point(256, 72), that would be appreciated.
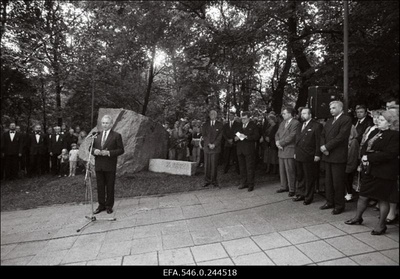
point(380, 167)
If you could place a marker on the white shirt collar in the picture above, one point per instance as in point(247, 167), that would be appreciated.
point(336, 117)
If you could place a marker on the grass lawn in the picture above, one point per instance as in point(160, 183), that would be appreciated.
point(26, 193)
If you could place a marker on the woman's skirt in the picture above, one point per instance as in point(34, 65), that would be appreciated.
point(379, 189)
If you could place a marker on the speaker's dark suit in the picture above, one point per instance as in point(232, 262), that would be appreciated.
point(307, 146)
point(11, 151)
point(245, 150)
point(211, 135)
point(106, 166)
point(335, 137)
point(37, 151)
point(230, 148)
point(55, 148)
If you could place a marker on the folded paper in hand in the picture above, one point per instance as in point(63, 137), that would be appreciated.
point(240, 136)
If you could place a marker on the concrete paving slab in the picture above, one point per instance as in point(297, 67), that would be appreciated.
point(288, 256)
point(349, 245)
point(208, 252)
point(319, 251)
point(270, 241)
point(374, 258)
point(206, 227)
point(298, 236)
point(181, 256)
point(241, 246)
point(259, 259)
point(150, 258)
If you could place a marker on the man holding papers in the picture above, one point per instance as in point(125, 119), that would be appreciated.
point(246, 137)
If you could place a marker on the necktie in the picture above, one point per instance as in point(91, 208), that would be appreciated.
point(358, 123)
point(334, 120)
point(286, 124)
point(103, 140)
point(304, 125)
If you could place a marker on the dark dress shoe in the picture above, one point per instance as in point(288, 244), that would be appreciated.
point(298, 198)
point(250, 189)
point(206, 184)
point(291, 194)
point(337, 211)
point(243, 186)
point(374, 232)
point(306, 202)
point(354, 221)
point(282, 190)
point(110, 210)
point(326, 206)
point(98, 210)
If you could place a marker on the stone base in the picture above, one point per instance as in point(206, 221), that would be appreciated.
point(172, 167)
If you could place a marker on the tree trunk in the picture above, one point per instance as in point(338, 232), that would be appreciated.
point(277, 94)
point(150, 80)
point(43, 95)
point(298, 49)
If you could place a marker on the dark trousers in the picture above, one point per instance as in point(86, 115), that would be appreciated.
point(211, 167)
point(37, 164)
point(349, 182)
point(306, 174)
point(11, 166)
point(55, 164)
point(247, 166)
point(105, 188)
point(230, 154)
point(335, 184)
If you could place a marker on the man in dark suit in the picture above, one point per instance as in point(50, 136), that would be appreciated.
point(307, 153)
point(334, 146)
point(285, 139)
point(246, 137)
point(230, 145)
point(56, 144)
point(11, 150)
point(363, 121)
point(212, 135)
point(107, 146)
point(38, 146)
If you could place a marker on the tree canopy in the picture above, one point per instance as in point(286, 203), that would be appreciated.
point(63, 60)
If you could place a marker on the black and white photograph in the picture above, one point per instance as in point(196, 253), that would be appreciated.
point(200, 138)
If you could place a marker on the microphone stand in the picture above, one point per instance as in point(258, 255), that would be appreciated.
point(88, 184)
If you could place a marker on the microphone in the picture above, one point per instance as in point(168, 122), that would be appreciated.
point(93, 135)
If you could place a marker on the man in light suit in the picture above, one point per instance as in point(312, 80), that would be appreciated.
point(212, 136)
point(245, 149)
point(307, 153)
point(107, 146)
point(285, 139)
point(334, 146)
point(11, 151)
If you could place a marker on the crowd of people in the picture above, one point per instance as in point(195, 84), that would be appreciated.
point(358, 154)
point(38, 153)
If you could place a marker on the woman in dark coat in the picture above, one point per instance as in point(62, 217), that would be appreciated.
point(380, 166)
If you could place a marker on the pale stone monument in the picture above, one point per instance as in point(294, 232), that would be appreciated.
point(143, 140)
point(173, 167)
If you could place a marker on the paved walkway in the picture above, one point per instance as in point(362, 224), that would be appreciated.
point(224, 226)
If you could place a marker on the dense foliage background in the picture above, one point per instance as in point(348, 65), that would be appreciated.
point(170, 59)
